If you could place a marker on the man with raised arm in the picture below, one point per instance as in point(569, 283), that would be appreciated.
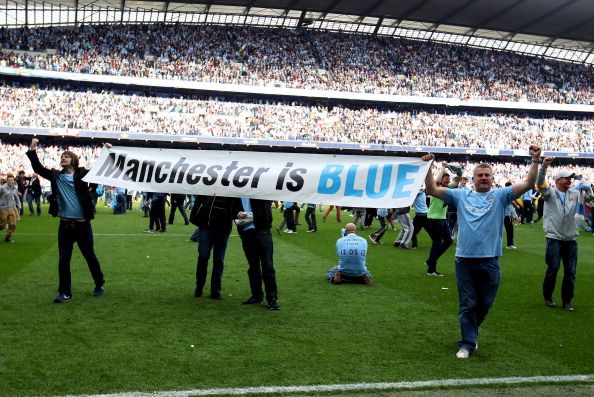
point(561, 231)
point(72, 203)
point(480, 226)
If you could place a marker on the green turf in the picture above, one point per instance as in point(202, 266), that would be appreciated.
point(138, 336)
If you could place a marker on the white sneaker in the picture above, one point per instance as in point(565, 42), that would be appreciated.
point(462, 353)
point(511, 247)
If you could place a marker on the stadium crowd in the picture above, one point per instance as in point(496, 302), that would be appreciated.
point(111, 111)
point(299, 59)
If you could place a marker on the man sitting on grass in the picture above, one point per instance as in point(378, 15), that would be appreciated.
point(352, 251)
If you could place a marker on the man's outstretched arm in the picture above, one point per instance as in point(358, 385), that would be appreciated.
point(522, 187)
point(430, 185)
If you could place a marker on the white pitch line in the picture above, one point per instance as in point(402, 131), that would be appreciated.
point(120, 234)
point(354, 386)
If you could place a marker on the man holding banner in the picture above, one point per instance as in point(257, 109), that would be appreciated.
point(254, 222)
point(480, 217)
point(344, 180)
point(214, 217)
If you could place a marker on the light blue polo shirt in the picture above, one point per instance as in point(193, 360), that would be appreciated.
point(382, 212)
point(420, 203)
point(480, 220)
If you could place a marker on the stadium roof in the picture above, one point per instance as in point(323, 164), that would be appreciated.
point(562, 29)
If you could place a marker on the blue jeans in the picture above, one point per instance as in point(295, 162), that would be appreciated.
point(37, 200)
point(478, 281)
point(215, 241)
point(556, 252)
point(81, 233)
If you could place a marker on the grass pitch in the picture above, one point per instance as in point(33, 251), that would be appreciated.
point(148, 332)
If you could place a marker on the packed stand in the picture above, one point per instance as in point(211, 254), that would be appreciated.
point(298, 59)
point(111, 111)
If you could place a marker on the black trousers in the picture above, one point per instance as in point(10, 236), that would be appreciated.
point(509, 229)
point(81, 233)
point(419, 222)
point(441, 239)
point(310, 218)
point(157, 215)
point(370, 214)
point(379, 233)
point(258, 249)
point(290, 219)
point(177, 205)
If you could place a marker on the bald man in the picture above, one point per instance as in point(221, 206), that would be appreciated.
point(352, 251)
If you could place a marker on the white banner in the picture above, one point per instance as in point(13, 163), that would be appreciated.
point(351, 181)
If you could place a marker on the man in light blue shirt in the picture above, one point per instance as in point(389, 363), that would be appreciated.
point(527, 207)
point(480, 225)
point(420, 219)
point(352, 252)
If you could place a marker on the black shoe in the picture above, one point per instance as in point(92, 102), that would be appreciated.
point(98, 291)
point(217, 297)
point(550, 303)
point(273, 305)
point(62, 298)
point(8, 239)
point(252, 300)
point(197, 293)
